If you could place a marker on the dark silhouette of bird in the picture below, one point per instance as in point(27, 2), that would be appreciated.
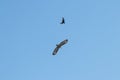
point(63, 21)
point(58, 46)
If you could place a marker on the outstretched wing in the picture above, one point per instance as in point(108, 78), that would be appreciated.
point(55, 50)
point(63, 21)
point(59, 45)
point(63, 42)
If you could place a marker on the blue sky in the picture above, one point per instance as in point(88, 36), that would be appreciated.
point(30, 30)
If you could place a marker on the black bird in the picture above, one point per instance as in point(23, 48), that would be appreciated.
point(58, 46)
point(63, 21)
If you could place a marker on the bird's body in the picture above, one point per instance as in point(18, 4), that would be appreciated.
point(58, 46)
point(63, 21)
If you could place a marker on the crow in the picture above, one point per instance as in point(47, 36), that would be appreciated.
point(63, 21)
point(58, 46)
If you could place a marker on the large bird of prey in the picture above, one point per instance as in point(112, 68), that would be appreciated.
point(63, 21)
point(58, 46)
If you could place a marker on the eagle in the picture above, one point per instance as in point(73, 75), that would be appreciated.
point(58, 46)
point(63, 21)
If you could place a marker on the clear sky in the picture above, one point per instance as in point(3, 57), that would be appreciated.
point(30, 30)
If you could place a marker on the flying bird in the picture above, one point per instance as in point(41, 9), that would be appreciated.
point(63, 21)
point(58, 46)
